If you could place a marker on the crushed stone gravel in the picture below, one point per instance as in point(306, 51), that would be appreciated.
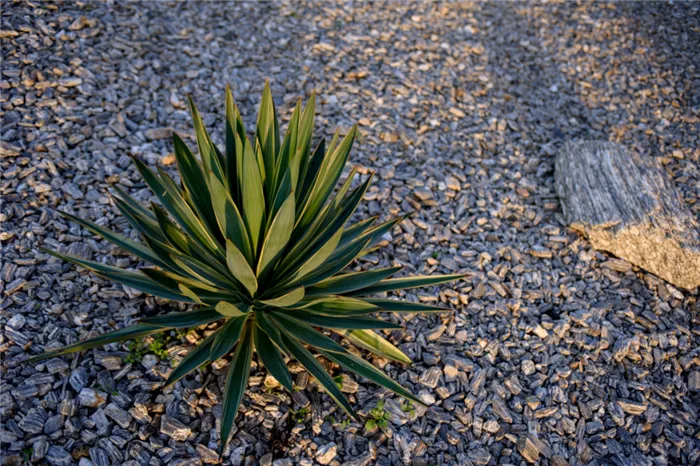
point(556, 354)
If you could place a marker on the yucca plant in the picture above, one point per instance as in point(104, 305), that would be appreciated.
point(256, 237)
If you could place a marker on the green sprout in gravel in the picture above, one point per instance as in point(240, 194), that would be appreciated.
point(299, 415)
point(27, 454)
point(257, 236)
point(158, 345)
point(408, 408)
point(378, 417)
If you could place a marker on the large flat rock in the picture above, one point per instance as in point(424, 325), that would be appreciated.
point(625, 204)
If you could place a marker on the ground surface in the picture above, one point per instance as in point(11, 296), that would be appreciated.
point(556, 353)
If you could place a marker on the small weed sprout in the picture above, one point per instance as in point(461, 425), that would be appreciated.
point(157, 345)
point(408, 408)
point(300, 414)
point(378, 417)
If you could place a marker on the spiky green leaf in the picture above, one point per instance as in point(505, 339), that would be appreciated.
point(230, 219)
point(127, 333)
point(287, 299)
point(267, 132)
point(277, 236)
point(393, 305)
point(368, 371)
point(229, 310)
point(394, 284)
point(348, 282)
point(375, 343)
point(310, 363)
point(227, 336)
point(304, 332)
point(194, 359)
point(337, 306)
point(240, 268)
point(130, 279)
point(187, 319)
point(236, 383)
point(271, 358)
point(253, 197)
point(344, 322)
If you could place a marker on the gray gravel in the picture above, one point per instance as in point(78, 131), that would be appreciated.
point(557, 354)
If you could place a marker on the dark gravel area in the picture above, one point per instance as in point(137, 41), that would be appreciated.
point(556, 354)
